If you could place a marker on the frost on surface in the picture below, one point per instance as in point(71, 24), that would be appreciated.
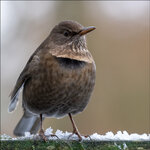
point(109, 136)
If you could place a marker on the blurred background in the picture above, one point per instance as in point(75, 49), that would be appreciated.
point(120, 46)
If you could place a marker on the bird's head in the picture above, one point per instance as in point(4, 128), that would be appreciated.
point(69, 32)
point(67, 39)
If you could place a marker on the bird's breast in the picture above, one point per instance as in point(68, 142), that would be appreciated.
point(59, 83)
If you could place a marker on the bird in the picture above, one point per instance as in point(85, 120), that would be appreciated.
point(57, 80)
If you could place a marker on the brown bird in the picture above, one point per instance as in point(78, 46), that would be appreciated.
point(57, 80)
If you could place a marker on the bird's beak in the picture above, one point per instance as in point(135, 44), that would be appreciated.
point(86, 30)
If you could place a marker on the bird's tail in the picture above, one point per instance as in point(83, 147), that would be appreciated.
point(28, 123)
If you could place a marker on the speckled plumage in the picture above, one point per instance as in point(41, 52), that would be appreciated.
point(56, 89)
point(59, 77)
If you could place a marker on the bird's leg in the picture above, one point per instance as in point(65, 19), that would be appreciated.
point(75, 129)
point(41, 132)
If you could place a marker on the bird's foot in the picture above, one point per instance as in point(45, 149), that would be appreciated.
point(42, 135)
point(77, 133)
point(80, 136)
point(88, 136)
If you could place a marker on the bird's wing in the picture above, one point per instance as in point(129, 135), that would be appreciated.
point(15, 93)
point(23, 78)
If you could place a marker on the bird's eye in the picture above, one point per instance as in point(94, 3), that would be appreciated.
point(66, 33)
